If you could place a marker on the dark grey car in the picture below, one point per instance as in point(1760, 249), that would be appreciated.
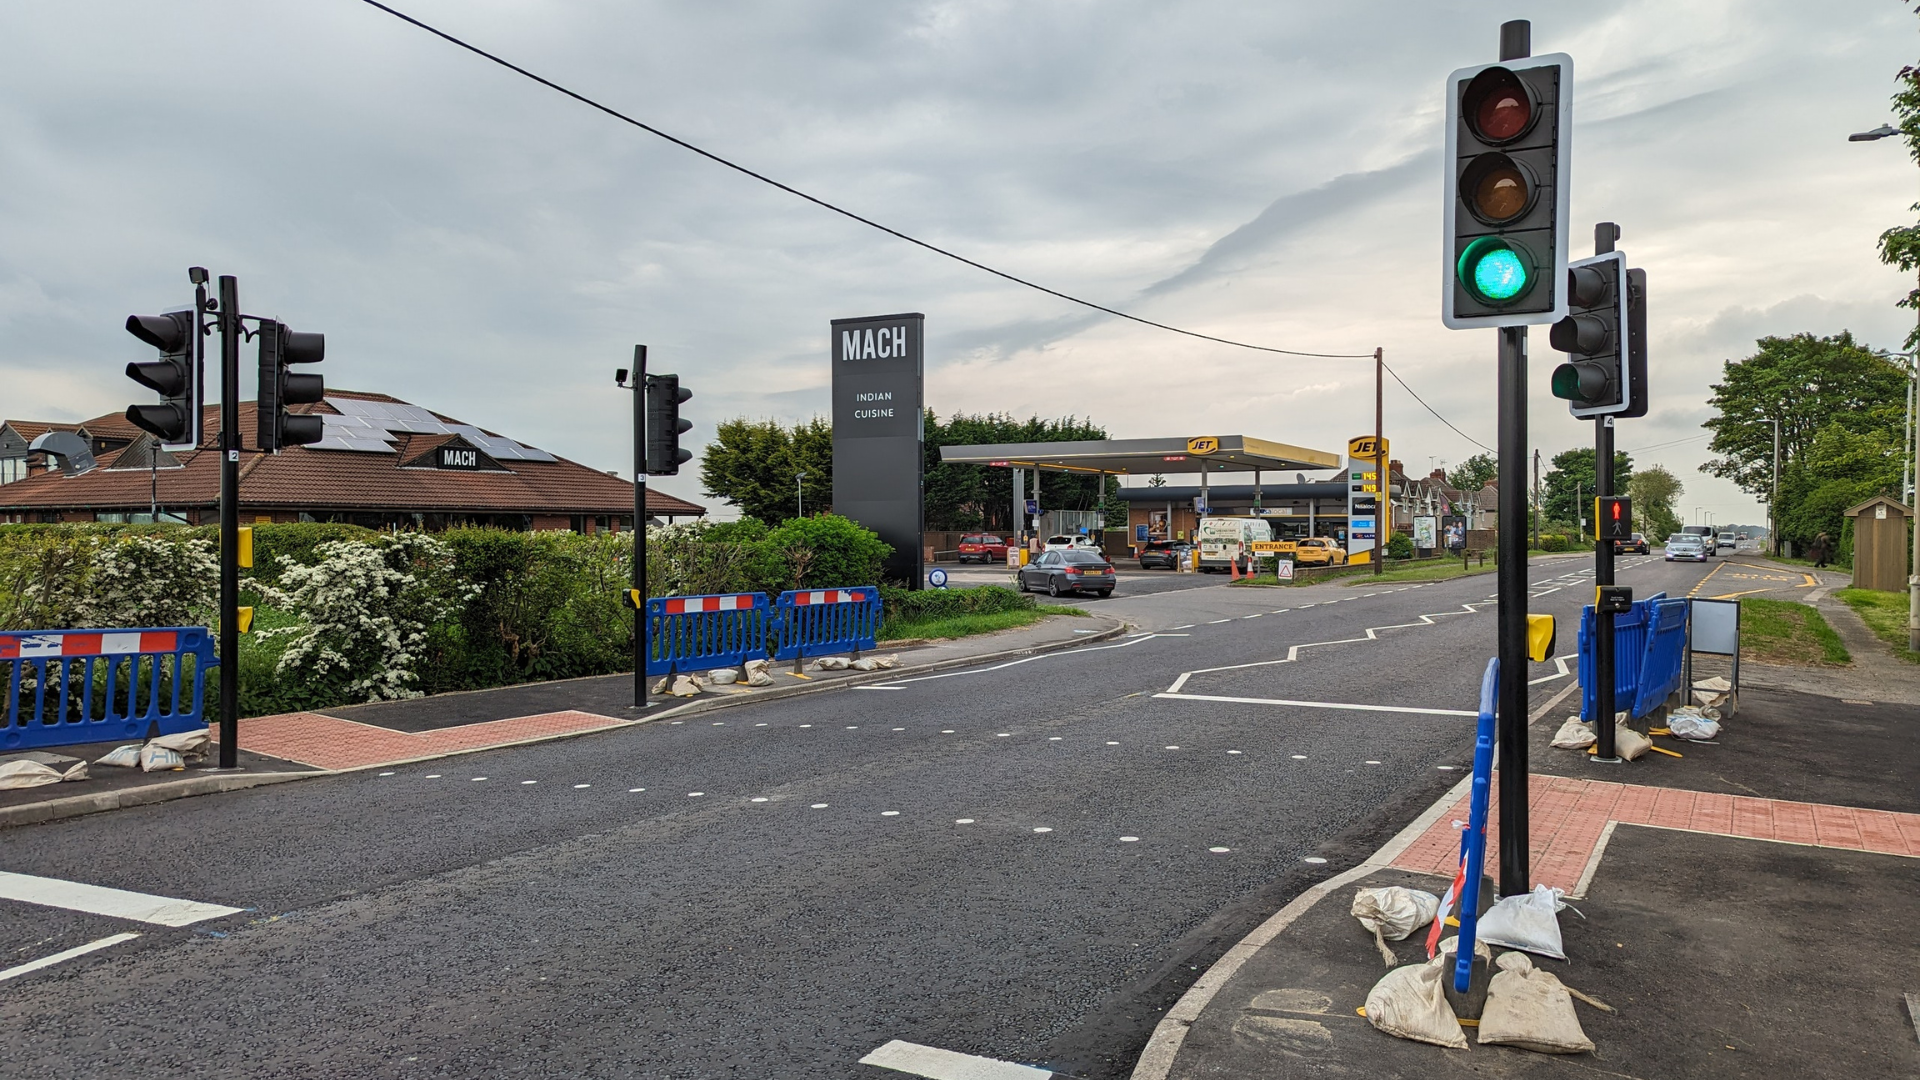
point(1167, 553)
point(1068, 571)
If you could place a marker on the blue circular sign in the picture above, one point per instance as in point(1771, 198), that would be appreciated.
point(938, 579)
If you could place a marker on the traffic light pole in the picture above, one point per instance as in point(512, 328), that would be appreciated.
point(640, 525)
point(1382, 500)
point(229, 320)
point(1512, 595)
point(1604, 235)
point(1511, 589)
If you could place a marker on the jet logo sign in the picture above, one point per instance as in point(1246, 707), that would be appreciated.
point(1205, 444)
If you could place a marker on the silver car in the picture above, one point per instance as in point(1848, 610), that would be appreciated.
point(1691, 547)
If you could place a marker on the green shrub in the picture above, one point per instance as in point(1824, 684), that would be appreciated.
point(827, 552)
point(902, 603)
point(1400, 547)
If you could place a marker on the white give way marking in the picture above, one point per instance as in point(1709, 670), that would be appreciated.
point(116, 903)
point(938, 1064)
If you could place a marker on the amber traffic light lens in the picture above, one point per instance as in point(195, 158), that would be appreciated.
point(1502, 194)
point(1498, 106)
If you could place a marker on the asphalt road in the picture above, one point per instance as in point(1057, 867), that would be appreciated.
point(1027, 861)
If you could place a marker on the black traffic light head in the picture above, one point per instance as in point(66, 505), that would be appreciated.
point(664, 426)
point(1613, 517)
point(1508, 159)
point(279, 388)
point(175, 377)
point(1596, 334)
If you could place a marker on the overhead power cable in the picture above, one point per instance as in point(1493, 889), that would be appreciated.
point(1435, 412)
point(824, 204)
point(1664, 445)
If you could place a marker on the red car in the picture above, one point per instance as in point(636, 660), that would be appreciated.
point(983, 547)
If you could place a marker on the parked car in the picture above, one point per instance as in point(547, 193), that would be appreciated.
point(1169, 554)
point(1319, 551)
point(1068, 571)
point(1637, 545)
point(1690, 547)
point(1069, 543)
point(983, 547)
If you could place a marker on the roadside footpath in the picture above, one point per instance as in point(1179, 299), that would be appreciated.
point(1747, 909)
point(295, 746)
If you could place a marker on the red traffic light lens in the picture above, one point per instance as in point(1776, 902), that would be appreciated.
point(1498, 106)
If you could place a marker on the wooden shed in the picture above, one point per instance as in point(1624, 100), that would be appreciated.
point(1880, 544)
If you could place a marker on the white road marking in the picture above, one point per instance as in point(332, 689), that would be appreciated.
point(1173, 748)
point(899, 683)
point(1042, 828)
point(937, 1064)
point(386, 774)
point(1299, 757)
point(1315, 859)
point(1217, 622)
point(99, 900)
point(1255, 615)
point(819, 806)
point(433, 776)
point(758, 798)
point(634, 789)
point(1129, 839)
point(963, 821)
point(695, 794)
point(1110, 742)
point(1189, 626)
point(1219, 850)
point(1233, 751)
point(1373, 763)
point(1371, 633)
point(60, 957)
point(889, 813)
point(1561, 672)
point(525, 782)
point(1321, 704)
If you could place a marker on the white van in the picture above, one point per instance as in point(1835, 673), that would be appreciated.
point(1226, 540)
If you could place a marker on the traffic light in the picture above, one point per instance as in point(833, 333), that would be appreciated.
point(664, 426)
point(1596, 333)
point(175, 377)
point(279, 388)
point(1613, 517)
point(1636, 344)
point(1508, 162)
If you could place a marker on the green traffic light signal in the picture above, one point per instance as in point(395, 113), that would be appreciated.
point(1495, 271)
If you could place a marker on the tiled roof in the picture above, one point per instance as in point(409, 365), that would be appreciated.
point(300, 478)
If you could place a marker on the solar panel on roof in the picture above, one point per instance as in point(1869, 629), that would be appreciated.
point(370, 427)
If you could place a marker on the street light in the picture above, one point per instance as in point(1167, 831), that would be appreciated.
point(799, 496)
point(1913, 571)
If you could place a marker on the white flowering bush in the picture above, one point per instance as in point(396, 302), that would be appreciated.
point(367, 610)
point(65, 581)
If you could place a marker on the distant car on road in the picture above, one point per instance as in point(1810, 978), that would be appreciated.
point(983, 547)
point(1319, 551)
point(1637, 545)
point(1068, 571)
point(1690, 547)
point(1170, 554)
point(1728, 542)
point(1069, 543)
point(1705, 533)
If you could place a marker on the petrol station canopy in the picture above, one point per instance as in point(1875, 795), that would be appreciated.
point(1206, 454)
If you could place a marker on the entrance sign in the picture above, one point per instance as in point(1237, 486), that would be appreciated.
point(878, 431)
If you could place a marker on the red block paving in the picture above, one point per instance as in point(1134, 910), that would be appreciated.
point(1567, 817)
point(326, 742)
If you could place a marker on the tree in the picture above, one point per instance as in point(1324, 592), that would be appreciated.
point(1654, 491)
point(1474, 473)
point(963, 497)
point(1900, 245)
point(1573, 476)
point(1840, 469)
point(753, 464)
point(1807, 383)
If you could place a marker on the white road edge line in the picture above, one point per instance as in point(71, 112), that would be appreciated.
point(62, 957)
point(1321, 704)
point(115, 903)
point(1156, 1061)
point(938, 1064)
point(899, 684)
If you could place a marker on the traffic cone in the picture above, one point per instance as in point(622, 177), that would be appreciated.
point(1233, 565)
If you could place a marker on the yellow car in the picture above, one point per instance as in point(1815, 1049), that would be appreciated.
point(1319, 551)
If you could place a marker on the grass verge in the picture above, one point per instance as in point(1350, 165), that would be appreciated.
point(1783, 632)
point(1885, 613)
point(967, 625)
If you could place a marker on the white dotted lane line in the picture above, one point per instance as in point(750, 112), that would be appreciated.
point(433, 776)
point(818, 806)
point(631, 790)
point(1314, 859)
point(479, 778)
point(386, 774)
point(1042, 828)
point(1233, 751)
point(889, 813)
point(525, 782)
point(963, 821)
point(1299, 757)
point(695, 794)
point(1129, 839)
point(577, 787)
point(1219, 850)
point(758, 798)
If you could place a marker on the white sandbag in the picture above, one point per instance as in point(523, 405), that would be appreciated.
point(191, 745)
point(1528, 1008)
point(70, 768)
point(1411, 1003)
point(757, 674)
point(157, 758)
point(661, 686)
point(125, 757)
point(1719, 683)
point(886, 663)
point(1573, 735)
point(1685, 725)
point(831, 663)
point(722, 676)
point(685, 686)
point(1629, 743)
point(26, 774)
point(1392, 913)
point(1529, 922)
point(865, 663)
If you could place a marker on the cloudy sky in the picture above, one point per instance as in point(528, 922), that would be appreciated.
point(478, 244)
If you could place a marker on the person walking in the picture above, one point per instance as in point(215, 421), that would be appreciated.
point(1822, 551)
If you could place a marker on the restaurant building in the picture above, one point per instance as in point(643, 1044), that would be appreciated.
point(382, 463)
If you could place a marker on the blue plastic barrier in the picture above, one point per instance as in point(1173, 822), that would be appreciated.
point(1473, 843)
point(1649, 646)
point(695, 633)
point(821, 622)
point(79, 686)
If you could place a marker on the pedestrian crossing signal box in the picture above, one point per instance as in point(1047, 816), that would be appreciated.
point(1613, 517)
point(1613, 599)
point(1540, 635)
point(632, 600)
